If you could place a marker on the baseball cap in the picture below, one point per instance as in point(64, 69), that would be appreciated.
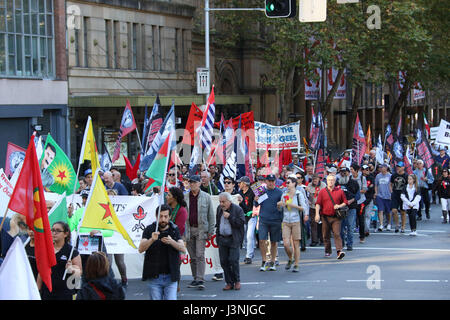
point(244, 179)
point(195, 178)
point(88, 171)
point(84, 193)
point(400, 164)
point(332, 169)
point(344, 169)
point(364, 167)
point(271, 177)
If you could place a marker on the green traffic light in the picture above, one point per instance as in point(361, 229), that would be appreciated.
point(271, 7)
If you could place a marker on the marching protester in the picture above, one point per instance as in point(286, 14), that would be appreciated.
point(357, 176)
point(383, 196)
point(368, 203)
point(411, 199)
point(61, 242)
point(229, 185)
point(398, 183)
point(329, 200)
point(246, 201)
point(293, 202)
point(172, 179)
point(229, 234)
point(111, 184)
point(270, 219)
point(98, 284)
point(313, 190)
point(351, 189)
point(425, 179)
point(162, 249)
point(304, 222)
point(207, 185)
point(179, 214)
point(443, 190)
point(199, 228)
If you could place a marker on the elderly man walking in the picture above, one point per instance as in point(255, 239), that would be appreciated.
point(230, 234)
point(199, 228)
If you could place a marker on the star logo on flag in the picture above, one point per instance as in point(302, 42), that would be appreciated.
point(107, 210)
point(61, 175)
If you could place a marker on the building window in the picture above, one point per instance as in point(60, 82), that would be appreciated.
point(134, 46)
point(116, 31)
point(108, 31)
point(85, 42)
point(27, 38)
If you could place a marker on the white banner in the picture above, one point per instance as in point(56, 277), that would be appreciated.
point(443, 135)
point(341, 92)
point(277, 137)
point(312, 88)
point(136, 213)
point(6, 189)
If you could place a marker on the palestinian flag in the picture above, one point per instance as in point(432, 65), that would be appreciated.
point(28, 199)
point(60, 168)
point(156, 173)
point(99, 212)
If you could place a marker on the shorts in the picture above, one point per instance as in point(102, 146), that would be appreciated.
point(396, 201)
point(272, 228)
point(291, 229)
point(383, 204)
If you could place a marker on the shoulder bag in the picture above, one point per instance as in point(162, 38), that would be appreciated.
point(340, 213)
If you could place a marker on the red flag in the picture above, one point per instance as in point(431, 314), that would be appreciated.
point(127, 125)
point(28, 199)
point(359, 143)
point(131, 171)
point(195, 115)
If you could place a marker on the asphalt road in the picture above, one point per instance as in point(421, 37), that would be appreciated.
point(388, 266)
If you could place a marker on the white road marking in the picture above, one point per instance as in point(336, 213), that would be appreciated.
point(364, 280)
point(358, 298)
point(395, 249)
point(305, 281)
point(421, 280)
point(281, 296)
point(253, 283)
point(199, 295)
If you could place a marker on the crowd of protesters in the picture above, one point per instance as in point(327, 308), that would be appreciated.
point(298, 205)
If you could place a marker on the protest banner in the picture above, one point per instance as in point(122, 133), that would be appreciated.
point(269, 137)
point(136, 213)
point(443, 134)
point(6, 189)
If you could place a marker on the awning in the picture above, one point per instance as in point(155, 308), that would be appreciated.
point(141, 101)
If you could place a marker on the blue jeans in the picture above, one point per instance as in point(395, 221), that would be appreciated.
point(347, 227)
point(251, 237)
point(162, 288)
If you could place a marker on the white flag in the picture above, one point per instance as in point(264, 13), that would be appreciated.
point(16, 277)
point(379, 155)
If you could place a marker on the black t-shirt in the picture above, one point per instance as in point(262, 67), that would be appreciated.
point(161, 258)
point(59, 286)
point(399, 182)
point(32, 259)
point(247, 202)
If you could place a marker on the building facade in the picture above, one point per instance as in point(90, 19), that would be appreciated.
point(33, 72)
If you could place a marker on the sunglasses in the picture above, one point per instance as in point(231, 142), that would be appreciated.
point(171, 174)
point(228, 182)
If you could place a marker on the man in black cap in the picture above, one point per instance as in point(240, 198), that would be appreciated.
point(246, 201)
point(199, 228)
point(270, 219)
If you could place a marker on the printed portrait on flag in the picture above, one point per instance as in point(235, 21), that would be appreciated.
point(14, 157)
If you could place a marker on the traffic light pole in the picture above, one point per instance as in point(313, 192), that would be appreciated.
point(207, 10)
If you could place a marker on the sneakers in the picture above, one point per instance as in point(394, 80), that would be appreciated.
point(397, 229)
point(264, 266)
point(380, 229)
point(402, 231)
point(327, 255)
point(349, 248)
point(277, 263)
point(341, 255)
point(217, 277)
point(388, 228)
point(289, 265)
point(272, 266)
point(428, 215)
point(413, 233)
point(362, 240)
point(248, 260)
point(197, 284)
point(295, 268)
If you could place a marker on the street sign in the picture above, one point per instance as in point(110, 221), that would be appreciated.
point(203, 81)
point(313, 10)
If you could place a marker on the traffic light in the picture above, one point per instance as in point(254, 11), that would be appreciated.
point(281, 8)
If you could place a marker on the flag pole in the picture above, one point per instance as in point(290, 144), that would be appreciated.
point(161, 192)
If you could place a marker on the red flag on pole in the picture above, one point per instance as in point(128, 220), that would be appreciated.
point(127, 125)
point(131, 171)
point(359, 143)
point(28, 199)
point(195, 115)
